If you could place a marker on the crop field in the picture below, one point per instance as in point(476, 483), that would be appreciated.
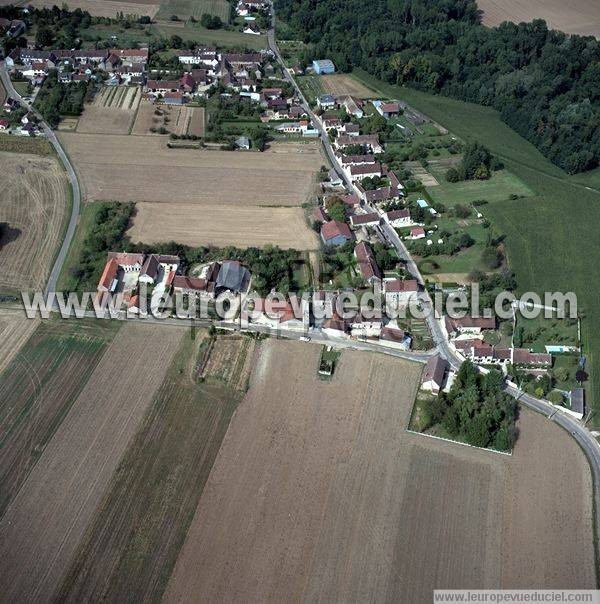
point(530, 224)
point(319, 493)
point(133, 168)
point(111, 112)
point(178, 120)
point(573, 17)
point(38, 388)
point(48, 517)
point(344, 84)
point(185, 9)
point(15, 330)
point(21, 144)
point(34, 200)
point(131, 547)
point(200, 224)
point(106, 8)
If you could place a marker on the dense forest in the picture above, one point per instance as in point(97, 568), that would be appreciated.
point(545, 84)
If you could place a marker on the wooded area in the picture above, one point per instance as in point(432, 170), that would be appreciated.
point(545, 84)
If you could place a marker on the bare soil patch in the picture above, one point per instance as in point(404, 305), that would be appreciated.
point(319, 493)
point(422, 174)
point(343, 84)
point(111, 112)
point(144, 169)
point(208, 224)
point(33, 204)
point(15, 330)
point(107, 8)
point(47, 519)
point(197, 121)
point(177, 120)
point(573, 17)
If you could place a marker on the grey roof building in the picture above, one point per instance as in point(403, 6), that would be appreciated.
point(232, 277)
point(578, 400)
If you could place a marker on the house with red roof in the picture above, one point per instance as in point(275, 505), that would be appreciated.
point(366, 263)
point(417, 233)
point(335, 232)
point(398, 293)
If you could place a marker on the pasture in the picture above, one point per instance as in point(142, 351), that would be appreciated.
point(34, 202)
point(319, 492)
point(133, 543)
point(573, 17)
point(38, 388)
point(47, 519)
point(344, 84)
point(546, 254)
point(134, 168)
point(111, 112)
point(106, 8)
point(199, 224)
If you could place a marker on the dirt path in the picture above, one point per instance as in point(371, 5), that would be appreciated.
point(44, 523)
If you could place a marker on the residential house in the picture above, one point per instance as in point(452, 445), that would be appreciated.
point(353, 106)
point(326, 101)
point(362, 171)
point(361, 220)
point(366, 263)
point(335, 232)
point(433, 376)
point(387, 110)
point(474, 326)
point(417, 233)
point(399, 218)
point(174, 98)
point(251, 28)
point(395, 338)
point(370, 141)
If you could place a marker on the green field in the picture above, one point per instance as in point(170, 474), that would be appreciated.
point(131, 548)
point(499, 187)
point(39, 387)
point(185, 9)
point(552, 237)
point(539, 332)
point(191, 32)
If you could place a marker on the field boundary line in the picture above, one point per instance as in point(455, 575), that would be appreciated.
point(457, 442)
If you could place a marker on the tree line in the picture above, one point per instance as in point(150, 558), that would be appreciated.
point(544, 83)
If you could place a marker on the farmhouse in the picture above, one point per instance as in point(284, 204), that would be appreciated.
point(153, 265)
point(398, 294)
point(469, 325)
point(335, 232)
point(191, 285)
point(367, 263)
point(433, 376)
point(387, 110)
point(361, 220)
point(109, 279)
point(323, 66)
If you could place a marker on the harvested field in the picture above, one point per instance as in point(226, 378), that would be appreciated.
point(207, 224)
point(111, 112)
point(133, 168)
point(34, 196)
point(573, 17)
point(132, 546)
point(194, 8)
point(197, 122)
point(319, 493)
point(45, 522)
point(38, 388)
point(15, 330)
point(343, 84)
point(106, 8)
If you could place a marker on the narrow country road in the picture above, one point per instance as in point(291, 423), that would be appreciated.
point(76, 192)
point(580, 433)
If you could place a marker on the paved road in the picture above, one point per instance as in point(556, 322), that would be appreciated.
point(51, 136)
point(583, 437)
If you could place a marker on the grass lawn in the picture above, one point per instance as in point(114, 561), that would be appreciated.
point(499, 187)
point(194, 8)
point(21, 87)
point(552, 237)
point(539, 332)
point(311, 86)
